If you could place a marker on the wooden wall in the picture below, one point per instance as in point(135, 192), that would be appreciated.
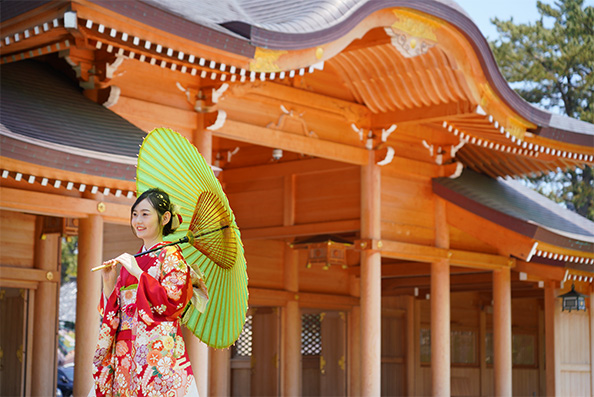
point(574, 353)
point(476, 379)
point(17, 245)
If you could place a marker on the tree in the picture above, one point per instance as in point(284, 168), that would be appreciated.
point(553, 59)
point(69, 258)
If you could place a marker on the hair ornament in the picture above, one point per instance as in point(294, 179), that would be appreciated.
point(176, 218)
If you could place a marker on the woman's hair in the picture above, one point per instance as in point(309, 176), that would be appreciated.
point(161, 203)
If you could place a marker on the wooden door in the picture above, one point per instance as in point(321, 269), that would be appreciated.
point(13, 341)
point(333, 361)
point(323, 354)
point(265, 352)
point(241, 355)
point(393, 376)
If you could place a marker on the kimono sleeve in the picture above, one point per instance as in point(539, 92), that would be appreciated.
point(166, 298)
point(110, 306)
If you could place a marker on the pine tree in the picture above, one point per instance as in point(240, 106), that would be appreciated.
point(553, 59)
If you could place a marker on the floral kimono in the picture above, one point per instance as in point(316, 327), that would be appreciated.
point(141, 351)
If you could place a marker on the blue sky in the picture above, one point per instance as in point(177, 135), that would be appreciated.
point(523, 11)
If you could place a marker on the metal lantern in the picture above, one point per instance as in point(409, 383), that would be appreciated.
point(573, 300)
point(324, 250)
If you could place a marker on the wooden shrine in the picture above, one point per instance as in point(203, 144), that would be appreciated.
point(383, 123)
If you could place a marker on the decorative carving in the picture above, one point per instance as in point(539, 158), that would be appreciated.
point(389, 157)
point(219, 122)
point(291, 115)
point(407, 45)
point(410, 36)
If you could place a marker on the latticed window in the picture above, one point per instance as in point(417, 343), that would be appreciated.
point(523, 349)
point(311, 335)
point(243, 346)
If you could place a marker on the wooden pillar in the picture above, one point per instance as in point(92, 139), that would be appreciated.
point(90, 254)
point(354, 352)
point(552, 311)
point(371, 284)
point(220, 372)
point(45, 316)
point(485, 391)
point(417, 343)
point(354, 341)
point(291, 334)
point(197, 350)
point(591, 341)
point(502, 332)
point(440, 308)
point(203, 142)
point(411, 338)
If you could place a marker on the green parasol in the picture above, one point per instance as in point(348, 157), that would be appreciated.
point(168, 161)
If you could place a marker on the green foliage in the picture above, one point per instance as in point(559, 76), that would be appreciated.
point(553, 59)
point(69, 258)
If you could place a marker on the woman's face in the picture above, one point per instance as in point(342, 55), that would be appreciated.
point(145, 222)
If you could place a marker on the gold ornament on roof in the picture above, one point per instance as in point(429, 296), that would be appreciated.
point(265, 60)
point(410, 35)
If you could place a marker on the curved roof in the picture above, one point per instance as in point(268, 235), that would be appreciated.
point(47, 120)
point(516, 207)
point(298, 25)
point(244, 26)
point(509, 138)
point(300, 17)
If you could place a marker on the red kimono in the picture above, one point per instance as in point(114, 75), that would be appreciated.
point(141, 351)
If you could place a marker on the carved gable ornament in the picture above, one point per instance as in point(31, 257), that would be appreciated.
point(410, 36)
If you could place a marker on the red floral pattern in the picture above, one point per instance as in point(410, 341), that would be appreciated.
point(141, 351)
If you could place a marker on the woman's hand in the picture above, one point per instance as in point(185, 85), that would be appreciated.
point(129, 262)
point(110, 276)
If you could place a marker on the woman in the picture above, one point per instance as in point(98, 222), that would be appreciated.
point(141, 351)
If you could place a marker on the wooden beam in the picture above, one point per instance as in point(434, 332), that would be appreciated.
point(52, 173)
point(408, 269)
point(421, 115)
point(349, 111)
point(62, 206)
point(28, 274)
point(292, 142)
point(274, 297)
point(425, 253)
point(283, 169)
point(543, 272)
point(425, 281)
point(308, 229)
point(401, 165)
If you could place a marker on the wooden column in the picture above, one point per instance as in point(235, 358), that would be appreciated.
point(354, 352)
point(485, 391)
point(354, 341)
point(371, 278)
point(417, 343)
point(45, 316)
point(220, 372)
point(90, 254)
point(502, 332)
point(197, 350)
point(591, 340)
point(440, 308)
point(291, 336)
point(411, 339)
point(553, 367)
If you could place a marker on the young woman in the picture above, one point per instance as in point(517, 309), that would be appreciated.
point(141, 351)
